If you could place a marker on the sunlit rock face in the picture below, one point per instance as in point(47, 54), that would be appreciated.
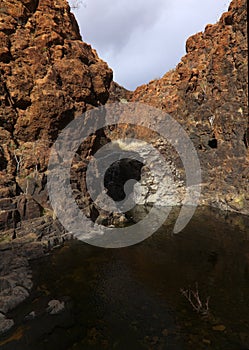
point(48, 77)
point(207, 93)
point(158, 178)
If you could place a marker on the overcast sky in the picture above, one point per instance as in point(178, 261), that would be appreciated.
point(142, 39)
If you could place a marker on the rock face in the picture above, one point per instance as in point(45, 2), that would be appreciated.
point(118, 93)
point(207, 94)
point(48, 77)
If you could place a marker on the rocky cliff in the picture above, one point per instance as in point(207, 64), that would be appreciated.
point(207, 93)
point(48, 77)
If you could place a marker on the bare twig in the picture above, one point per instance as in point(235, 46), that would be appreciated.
point(18, 160)
point(194, 299)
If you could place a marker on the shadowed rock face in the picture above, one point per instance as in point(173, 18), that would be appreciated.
point(118, 174)
point(208, 94)
point(118, 93)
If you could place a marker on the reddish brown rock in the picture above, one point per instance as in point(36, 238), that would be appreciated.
point(118, 93)
point(208, 94)
point(48, 77)
point(28, 208)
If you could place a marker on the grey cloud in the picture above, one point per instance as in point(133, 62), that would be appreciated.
point(110, 24)
point(143, 39)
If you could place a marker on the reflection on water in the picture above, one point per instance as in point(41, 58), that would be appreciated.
point(130, 298)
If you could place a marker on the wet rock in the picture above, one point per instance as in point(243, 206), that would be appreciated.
point(17, 295)
point(5, 324)
point(15, 279)
point(55, 307)
point(30, 316)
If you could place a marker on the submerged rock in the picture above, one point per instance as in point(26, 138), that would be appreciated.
point(55, 307)
point(30, 316)
point(5, 324)
point(15, 279)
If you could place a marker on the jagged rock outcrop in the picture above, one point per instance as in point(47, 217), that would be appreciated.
point(48, 77)
point(207, 93)
point(118, 93)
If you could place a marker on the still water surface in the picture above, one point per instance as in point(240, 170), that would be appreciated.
point(130, 298)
